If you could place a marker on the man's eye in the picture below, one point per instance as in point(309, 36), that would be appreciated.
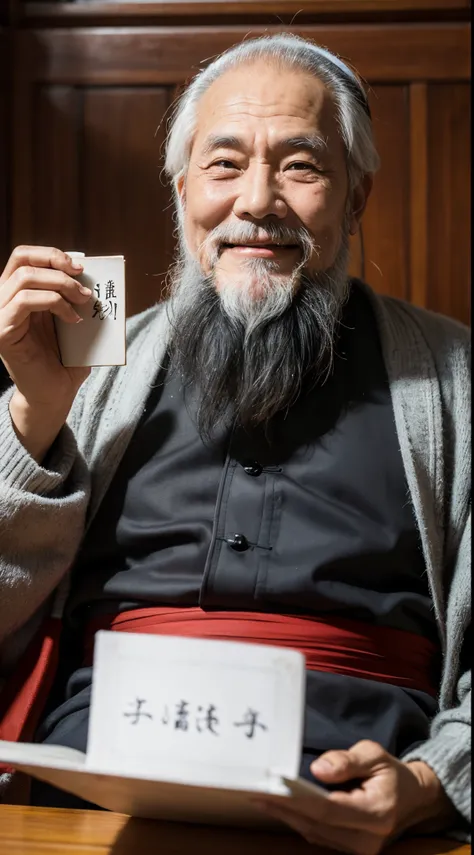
point(300, 165)
point(224, 164)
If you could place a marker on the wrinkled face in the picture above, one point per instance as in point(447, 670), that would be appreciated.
point(266, 150)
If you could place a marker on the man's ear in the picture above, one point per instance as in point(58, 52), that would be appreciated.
point(360, 196)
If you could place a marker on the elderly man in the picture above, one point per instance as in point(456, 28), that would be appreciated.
point(285, 450)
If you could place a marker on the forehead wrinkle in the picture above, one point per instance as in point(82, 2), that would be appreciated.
point(235, 110)
point(245, 88)
point(228, 110)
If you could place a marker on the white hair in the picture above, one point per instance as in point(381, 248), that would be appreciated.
point(294, 52)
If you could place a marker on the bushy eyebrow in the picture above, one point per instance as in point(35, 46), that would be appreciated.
point(313, 143)
point(216, 141)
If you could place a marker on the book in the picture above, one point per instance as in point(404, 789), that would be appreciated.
point(184, 729)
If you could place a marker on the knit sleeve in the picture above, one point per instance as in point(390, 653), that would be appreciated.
point(448, 753)
point(42, 513)
point(448, 750)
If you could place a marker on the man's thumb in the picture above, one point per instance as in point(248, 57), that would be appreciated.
point(335, 767)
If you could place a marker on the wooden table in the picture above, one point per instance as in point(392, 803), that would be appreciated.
point(51, 831)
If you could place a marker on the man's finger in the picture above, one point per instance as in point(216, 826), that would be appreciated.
point(40, 256)
point(349, 814)
point(43, 279)
point(365, 808)
point(24, 304)
point(350, 840)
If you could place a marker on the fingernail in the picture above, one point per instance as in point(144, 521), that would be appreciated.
point(77, 266)
point(79, 320)
point(84, 290)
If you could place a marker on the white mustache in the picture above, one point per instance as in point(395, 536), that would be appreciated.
point(246, 233)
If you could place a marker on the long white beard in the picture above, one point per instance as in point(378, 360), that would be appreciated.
point(244, 357)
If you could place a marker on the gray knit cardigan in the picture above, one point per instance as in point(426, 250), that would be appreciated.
point(44, 512)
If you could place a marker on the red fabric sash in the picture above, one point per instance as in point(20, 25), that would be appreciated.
point(24, 695)
point(335, 645)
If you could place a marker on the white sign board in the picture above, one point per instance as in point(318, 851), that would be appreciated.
point(205, 712)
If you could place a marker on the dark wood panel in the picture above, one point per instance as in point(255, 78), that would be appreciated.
point(418, 207)
point(328, 10)
point(23, 143)
point(56, 192)
point(8, 12)
point(385, 226)
point(449, 182)
point(356, 266)
point(5, 124)
point(100, 171)
point(126, 205)
point(158, 55)
point(5, 84)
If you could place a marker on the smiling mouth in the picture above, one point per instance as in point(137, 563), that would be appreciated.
point(269, 247)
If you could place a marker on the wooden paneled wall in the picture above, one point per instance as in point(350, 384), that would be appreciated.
point(5, 136)
point(93, 83)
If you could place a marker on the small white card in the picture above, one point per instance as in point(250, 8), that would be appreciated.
point(210, 713)
point(100, 338)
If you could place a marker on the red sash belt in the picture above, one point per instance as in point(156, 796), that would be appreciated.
point(335, 645)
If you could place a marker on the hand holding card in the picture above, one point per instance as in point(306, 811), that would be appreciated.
point(100, 338)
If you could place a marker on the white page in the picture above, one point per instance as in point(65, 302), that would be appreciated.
point(100, 337)
point(22, 753)
point(194, 710)
point(143, 797)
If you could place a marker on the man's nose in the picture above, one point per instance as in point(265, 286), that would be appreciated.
point(258, 195)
